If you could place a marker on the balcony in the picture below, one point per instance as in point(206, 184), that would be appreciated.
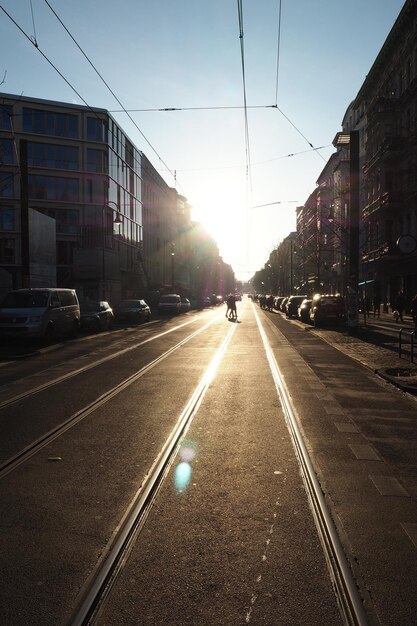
point(388, 149)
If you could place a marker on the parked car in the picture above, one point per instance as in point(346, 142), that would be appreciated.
point(170, 303)
point(96, 315)
point(133, 311)
point(185, 305)
point(43, 313)
point(238, 297)
point(204, 302)
point(327, 309)
point(304, 311)
point(283, 304)
point(277, 302)
point(291, 307)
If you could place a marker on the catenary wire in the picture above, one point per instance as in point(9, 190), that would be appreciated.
point(35, 44)
point(108, 87)
point(278, 52)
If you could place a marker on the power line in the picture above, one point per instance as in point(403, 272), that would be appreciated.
point(205, 108)
point(278, 52)
point(108, 87)
point(298, 131)
point(258, 206)
point(35, 44)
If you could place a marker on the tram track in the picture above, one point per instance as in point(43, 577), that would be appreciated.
point(81, 370)
point(9, 465)
point(99, 585)
point(347, 595)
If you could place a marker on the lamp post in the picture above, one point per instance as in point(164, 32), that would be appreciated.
point(172, 264)
point(116, 220)
point(352, 140)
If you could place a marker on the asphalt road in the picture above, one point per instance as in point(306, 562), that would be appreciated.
point(231, 538)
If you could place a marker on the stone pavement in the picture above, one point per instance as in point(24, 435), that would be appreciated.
point(375, 345)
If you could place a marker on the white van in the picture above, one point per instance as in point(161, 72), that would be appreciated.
point(41, 313)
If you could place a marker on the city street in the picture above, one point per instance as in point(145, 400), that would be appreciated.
point(196, 471)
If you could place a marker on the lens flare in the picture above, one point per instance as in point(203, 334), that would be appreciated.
point(182, 476)
point(188, 450)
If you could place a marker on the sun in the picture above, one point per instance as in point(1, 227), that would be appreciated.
point(225, 220)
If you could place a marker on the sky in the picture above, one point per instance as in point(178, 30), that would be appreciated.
point(301, 72)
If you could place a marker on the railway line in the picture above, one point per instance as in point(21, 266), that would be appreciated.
point(91, 594)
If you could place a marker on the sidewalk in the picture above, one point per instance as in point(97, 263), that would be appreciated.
point(376, 345)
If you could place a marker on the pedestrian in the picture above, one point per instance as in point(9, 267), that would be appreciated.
point(377, 306)
point(231, 307)
point(399, 305)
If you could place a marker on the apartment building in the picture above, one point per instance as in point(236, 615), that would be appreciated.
point(388, 102)
point(384, 114)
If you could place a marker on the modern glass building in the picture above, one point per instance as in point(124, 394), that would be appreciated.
point(74, 165)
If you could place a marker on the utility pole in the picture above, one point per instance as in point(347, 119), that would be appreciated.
point(24, 212)
point(353, 274)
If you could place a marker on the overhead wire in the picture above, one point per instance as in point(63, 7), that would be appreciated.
point(205, 108)
point(94, 112)
point(278, 52)
point(108, 87)
point(247, 142)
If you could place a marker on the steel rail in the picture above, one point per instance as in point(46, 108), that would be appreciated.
point(102, 579)
point(347, 594)
point(84, 368)
point(23, 455)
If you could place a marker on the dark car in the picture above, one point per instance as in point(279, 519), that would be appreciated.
point(327, 309)
point(185, 304)
point(304, 311)
point(291, 307)
point(170, 303)
point(204, 302)
point(277, 302)
point(133, 311)
point(283, 304)
point(97, 315)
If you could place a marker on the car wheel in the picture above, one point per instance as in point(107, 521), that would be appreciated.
point(74, 330)
point(97, 326)
point(49, 335)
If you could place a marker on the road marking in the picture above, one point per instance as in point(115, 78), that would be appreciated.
point(389, 486)
point(411, 530)
point(346, 427)
point(364, 452)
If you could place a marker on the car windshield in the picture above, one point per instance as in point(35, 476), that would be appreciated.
point(327, 301)
point(169, 300)
point(25, 299)
point(89, 307)
point(129, 304)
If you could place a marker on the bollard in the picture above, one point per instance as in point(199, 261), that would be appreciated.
point(400, 342)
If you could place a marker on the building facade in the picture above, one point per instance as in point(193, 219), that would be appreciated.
point(384, 115)
point(75, 165)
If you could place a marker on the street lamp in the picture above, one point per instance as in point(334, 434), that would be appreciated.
point(117, 220)
point(352, 140)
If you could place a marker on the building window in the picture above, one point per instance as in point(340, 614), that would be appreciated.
point(50, 123)
point(53, 156)
point(53, 188)
point(64, 252)
point(7, 251)
point(95, 129)
point(6, 152)
point(6, 184)
point(7, 218)
point(96, 160)
point(5, 116)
